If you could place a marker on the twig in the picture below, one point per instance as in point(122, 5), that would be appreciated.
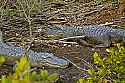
point(75, 65)
point(88, 13)
point(74, 37)
point(26, 71)
point(87, 64)
point(56, 42)
point(2, 10)
point(3, 4)
point(106, 24)
point(23, 10)
point(29, 21)
point(27, 16)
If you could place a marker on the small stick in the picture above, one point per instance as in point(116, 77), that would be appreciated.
point(26, 71)
point(74, 37)
point(106, 24)
point(75, 65)
point(56, 42)
point(86, 63)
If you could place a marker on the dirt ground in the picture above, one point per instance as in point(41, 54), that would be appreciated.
point(77, 14)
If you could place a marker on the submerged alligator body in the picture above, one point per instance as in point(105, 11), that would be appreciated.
point(104, 34)
point(41, 58)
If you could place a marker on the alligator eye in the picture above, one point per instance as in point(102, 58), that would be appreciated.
point(47, 57)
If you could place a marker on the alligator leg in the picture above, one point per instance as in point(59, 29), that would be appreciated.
point(106, 42)
point(109, 38)
point(105, 45)
point(84, 43)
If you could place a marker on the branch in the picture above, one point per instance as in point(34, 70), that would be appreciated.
point(26, 71)
point(74, 37)
point(75, 65)
point(55, 42)
point(86, 63)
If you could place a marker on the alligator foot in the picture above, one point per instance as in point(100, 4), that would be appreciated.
point(84, 43)
point(101, 46)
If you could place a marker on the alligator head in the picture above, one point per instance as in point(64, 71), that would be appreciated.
point(47, 59)
point(36, 58)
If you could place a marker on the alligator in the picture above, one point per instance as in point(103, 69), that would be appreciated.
point(41, 58)
point(104, 36)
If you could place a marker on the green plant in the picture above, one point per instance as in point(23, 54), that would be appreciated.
point(24, 73)
point(44, 77)
point(2, 60)
point(110, 68)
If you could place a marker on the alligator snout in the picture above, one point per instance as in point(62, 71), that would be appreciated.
point(48, 59)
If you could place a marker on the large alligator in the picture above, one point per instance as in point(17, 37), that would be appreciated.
point(41, 58)
point(104, 35)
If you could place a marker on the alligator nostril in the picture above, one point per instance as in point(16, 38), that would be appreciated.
point(70, 65)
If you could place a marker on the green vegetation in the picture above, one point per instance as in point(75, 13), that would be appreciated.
point(24, 73)
point(108, 69)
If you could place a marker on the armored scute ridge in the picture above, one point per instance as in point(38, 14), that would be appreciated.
point(104, 34)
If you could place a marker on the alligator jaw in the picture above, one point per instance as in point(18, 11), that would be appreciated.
point(60, 63)
point(48, 64)
point(48, 59)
